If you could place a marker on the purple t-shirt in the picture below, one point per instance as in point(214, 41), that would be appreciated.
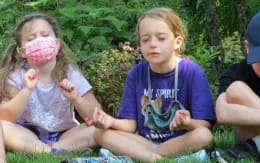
point(193, 93)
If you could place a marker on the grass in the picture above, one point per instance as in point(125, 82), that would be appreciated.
point(223, 138)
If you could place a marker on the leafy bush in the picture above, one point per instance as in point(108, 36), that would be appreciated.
point(204, 55)
point(232, 48)
point(107, 72)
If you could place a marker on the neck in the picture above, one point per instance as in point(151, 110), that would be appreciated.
point(165, 67)
point(45, 71)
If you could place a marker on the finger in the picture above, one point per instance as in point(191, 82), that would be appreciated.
point(33, 73)
point(104, 122)
point(68, 85)
point(177, 120)
point(88, 121)
point(184, 112)
point(63, 85)
point(182, 119)
point(172, 125)
point(29, 74)
point(100, 118)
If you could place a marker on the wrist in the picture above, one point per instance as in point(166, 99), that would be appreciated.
point(189, 126)
point(113, 122)
point(75, 100)
point(27, 90)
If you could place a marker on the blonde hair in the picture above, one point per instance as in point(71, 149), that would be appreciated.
point(12, 60)
point(170, 18)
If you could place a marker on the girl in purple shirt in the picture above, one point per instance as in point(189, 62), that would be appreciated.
point(162, 81)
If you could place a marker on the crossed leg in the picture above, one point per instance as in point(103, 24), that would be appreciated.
point(139, 148)
point(78, 138)
point(240, 107)
point(19, 138)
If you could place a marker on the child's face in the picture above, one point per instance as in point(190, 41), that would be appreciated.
point(157, 41)
point(42, 40)
point(35, 29)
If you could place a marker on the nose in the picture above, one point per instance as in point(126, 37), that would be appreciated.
point(153, 43)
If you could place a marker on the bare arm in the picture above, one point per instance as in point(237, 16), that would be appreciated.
point(12, 110)
point(85, 105)
point(89, 109)
point(127, 125)
point(103, 120)
point(183, 120)
point(198, 123)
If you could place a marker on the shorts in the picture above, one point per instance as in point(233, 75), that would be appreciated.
point(155, 143)
point(43, 135)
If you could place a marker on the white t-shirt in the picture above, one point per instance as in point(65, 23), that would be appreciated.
point(48, 109)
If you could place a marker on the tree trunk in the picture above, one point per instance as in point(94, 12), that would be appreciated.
point(242, 19)
point(213, 36)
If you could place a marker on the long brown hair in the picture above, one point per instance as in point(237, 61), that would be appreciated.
point(170, 18)
point(12, 60)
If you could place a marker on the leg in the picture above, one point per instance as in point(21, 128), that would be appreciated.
point(21, 139)
point(239, 93)
point(239, 107)
point(78, 138)
point(129, 144)
point(2, 147)
point(194, 140)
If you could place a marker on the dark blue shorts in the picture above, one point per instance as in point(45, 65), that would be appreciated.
point(43, 135)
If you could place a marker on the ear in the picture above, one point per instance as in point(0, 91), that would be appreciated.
point(21, 51)
point(246, 44)
point(178, 42)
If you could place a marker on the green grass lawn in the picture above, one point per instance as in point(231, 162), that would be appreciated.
point(223, 138)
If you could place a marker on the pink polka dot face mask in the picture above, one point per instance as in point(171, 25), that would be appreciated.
point(41, 50)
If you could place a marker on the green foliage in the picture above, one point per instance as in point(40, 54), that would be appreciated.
point(107, 72)
point(232, 48)
point(91, 29)
point(86, 26)
point(204, 55)
point(253, 7)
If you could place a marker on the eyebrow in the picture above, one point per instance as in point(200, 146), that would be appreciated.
point(161, 33)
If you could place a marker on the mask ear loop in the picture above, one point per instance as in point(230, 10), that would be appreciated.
point(18, 50)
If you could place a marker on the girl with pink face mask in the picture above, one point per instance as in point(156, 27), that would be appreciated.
point(38, 83)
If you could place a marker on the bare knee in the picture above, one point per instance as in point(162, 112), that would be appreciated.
point(101, 136)
point(205, 137)
point(7, 126)
point(235, 90)
point(221, 108)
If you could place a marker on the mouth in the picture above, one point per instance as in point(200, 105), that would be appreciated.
point(154, 54)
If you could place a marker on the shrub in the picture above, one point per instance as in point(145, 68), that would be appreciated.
point(107, 72)
point(232, 48)
point(204, 55)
